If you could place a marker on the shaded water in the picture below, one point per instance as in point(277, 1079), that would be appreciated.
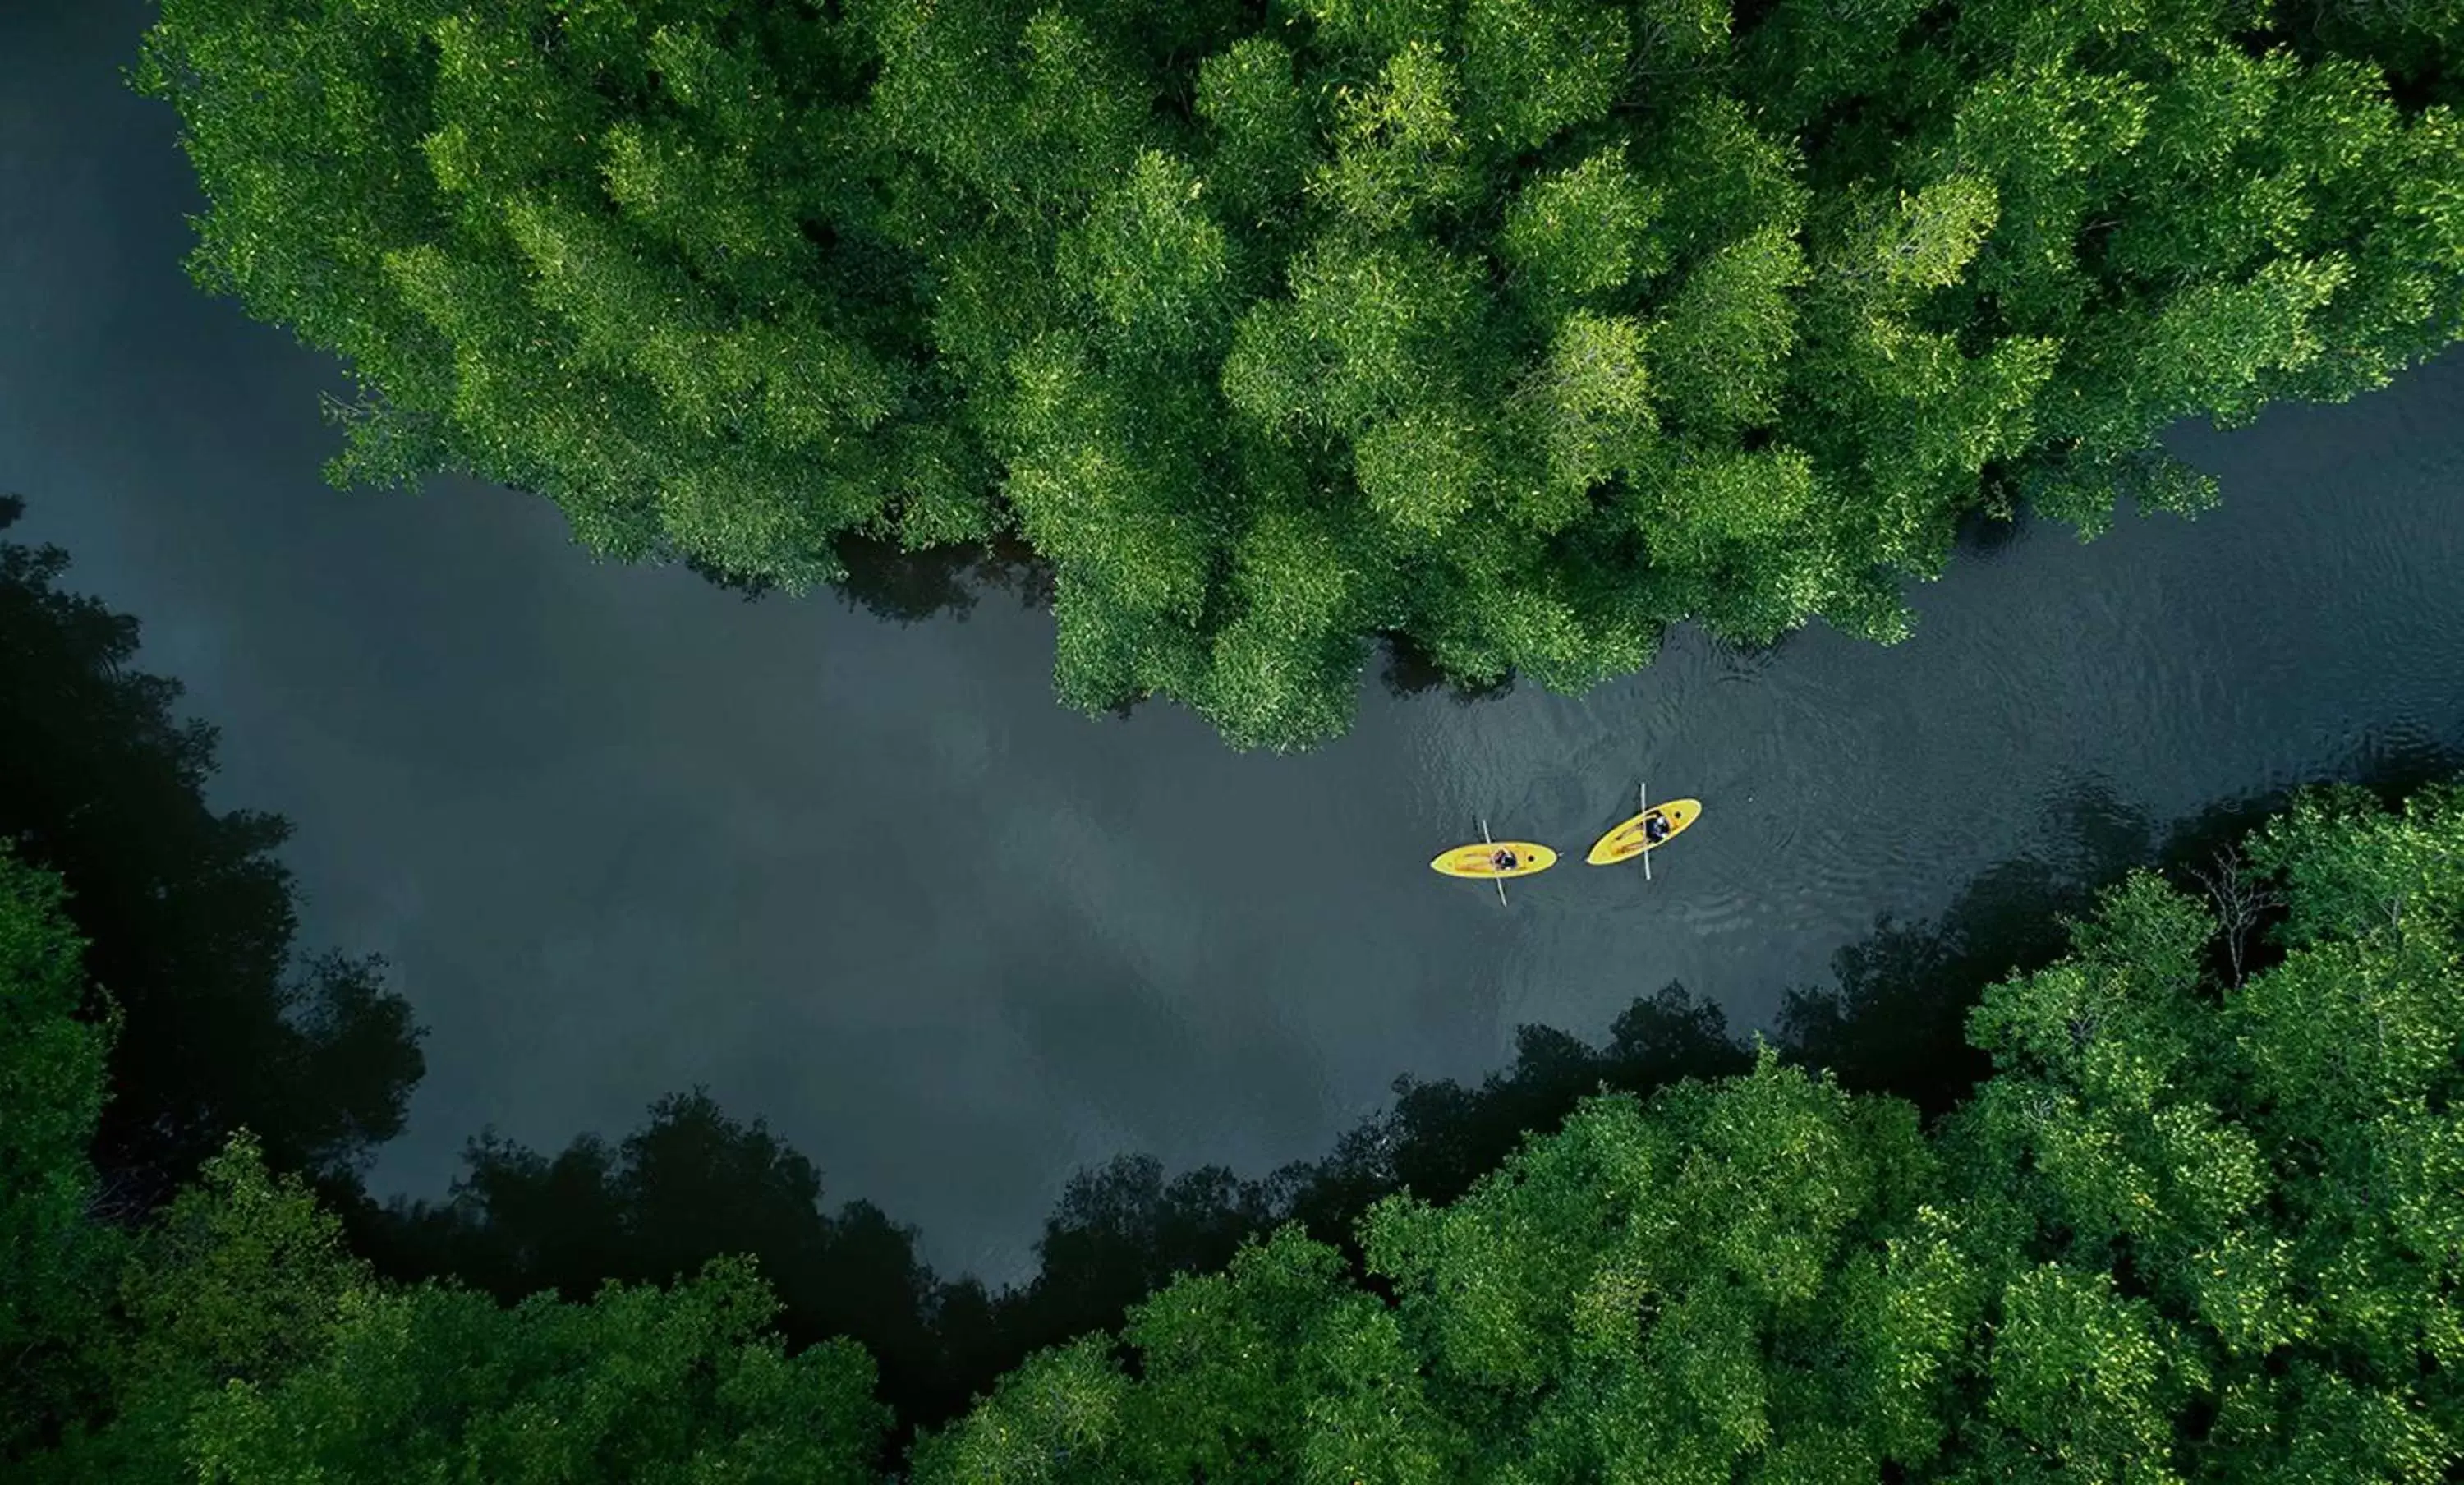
point(620, 833)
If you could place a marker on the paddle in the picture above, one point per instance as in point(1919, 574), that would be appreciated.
point(1500, 880)
point(1642, 802)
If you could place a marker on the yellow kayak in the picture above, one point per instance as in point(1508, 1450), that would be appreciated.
point(1481, 860)
point(1627, 841)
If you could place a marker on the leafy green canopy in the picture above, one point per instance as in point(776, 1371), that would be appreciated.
point(251, 1347)
point(2192, 1228)
point(53, 1261)
point(1518, 328)
point(691, 1185)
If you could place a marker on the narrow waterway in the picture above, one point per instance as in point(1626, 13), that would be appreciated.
point(620, 833)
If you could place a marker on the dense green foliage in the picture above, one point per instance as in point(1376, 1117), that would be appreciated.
point(682, 1385)
point(691, 1185)
point(189, 919)
point(1518, 330)
point(53, 1264)
point(2191, 1228)
point(250, 1347)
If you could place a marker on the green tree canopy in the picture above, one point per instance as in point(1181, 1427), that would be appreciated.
point(1516, 330)
point(240, 1281)
point(251, 1347)
point(690, 1187)
point(53, 1264)
point(640, 1384)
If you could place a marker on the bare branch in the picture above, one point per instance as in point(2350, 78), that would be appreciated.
point(2241, 899)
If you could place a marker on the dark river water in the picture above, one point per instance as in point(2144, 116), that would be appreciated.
point(620, 833)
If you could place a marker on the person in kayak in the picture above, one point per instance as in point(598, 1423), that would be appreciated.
point(1504, 860)
point(1655, 830)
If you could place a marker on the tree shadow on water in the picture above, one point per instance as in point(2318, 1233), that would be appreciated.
point(1411, 671)
point(1894, 1021)
point(892, 583)
point(2202, 851)
point(1991, 533)
point(692, 1184)
point(1122, 1231)
point(189, 917)
point(907, 587)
